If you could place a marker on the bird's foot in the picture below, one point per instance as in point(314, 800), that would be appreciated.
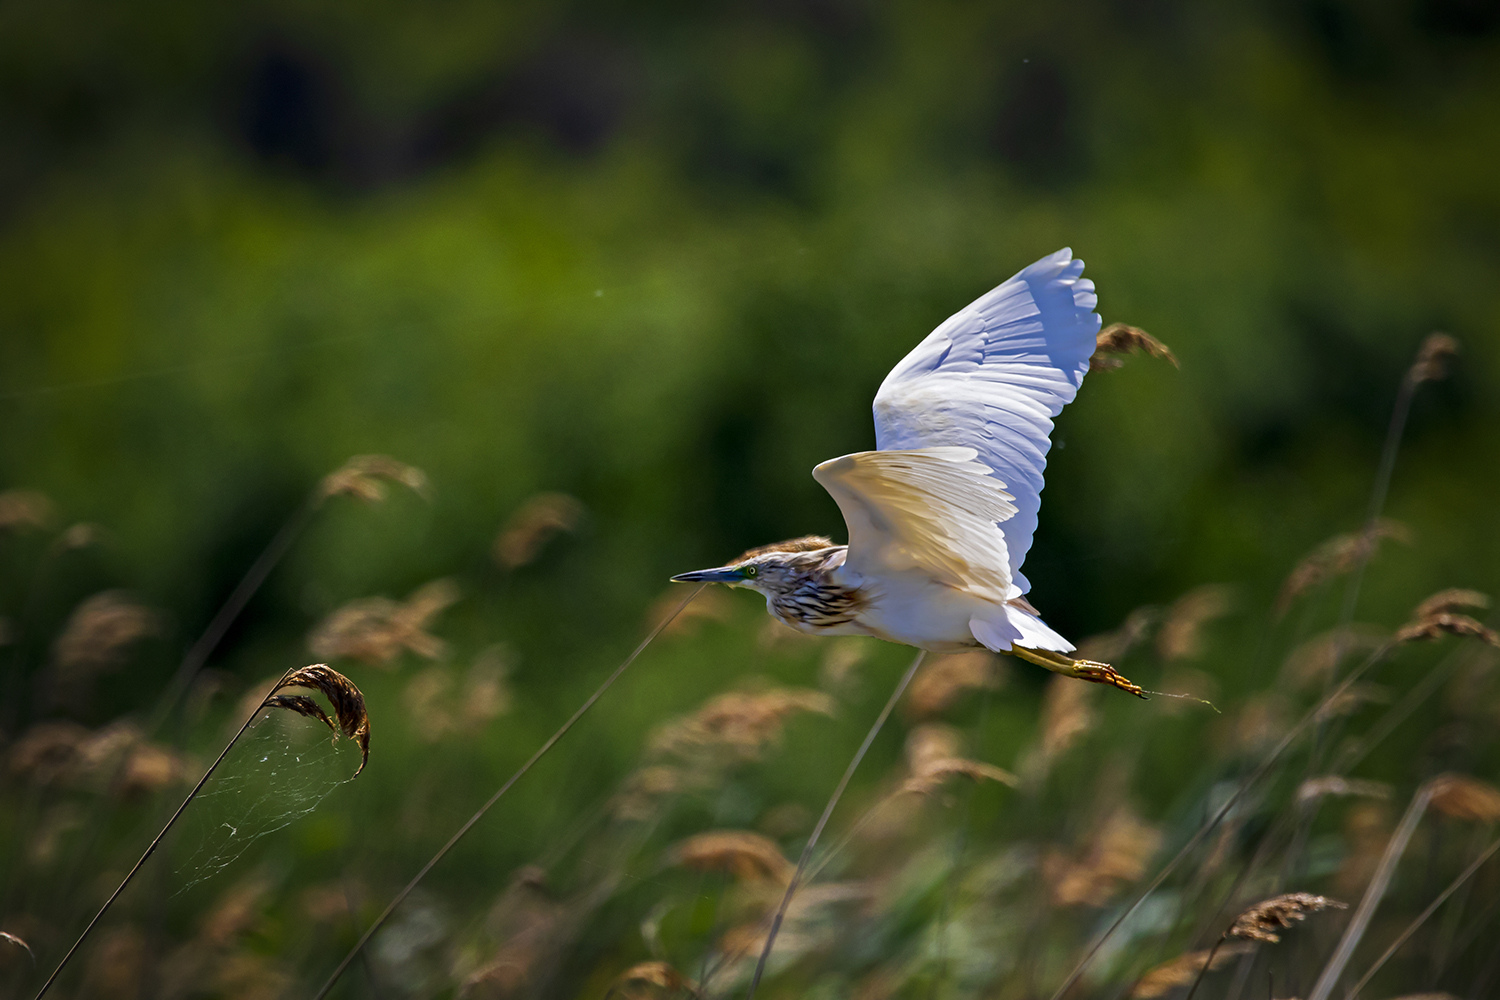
point(1085, 670)
point(1103, 673)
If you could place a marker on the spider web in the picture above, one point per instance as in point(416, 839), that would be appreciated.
point(281, 769)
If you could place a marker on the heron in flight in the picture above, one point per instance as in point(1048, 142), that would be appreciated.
point(940, 516)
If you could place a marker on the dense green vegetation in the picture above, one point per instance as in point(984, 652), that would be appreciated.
point(658, 259)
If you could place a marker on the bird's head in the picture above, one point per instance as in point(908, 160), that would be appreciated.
point(770, 569)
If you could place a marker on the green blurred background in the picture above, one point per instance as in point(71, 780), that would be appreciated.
point(658, 257)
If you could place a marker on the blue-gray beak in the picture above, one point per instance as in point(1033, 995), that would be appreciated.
point(724, 574)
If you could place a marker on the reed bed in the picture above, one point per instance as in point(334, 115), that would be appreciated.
point(1307, 808)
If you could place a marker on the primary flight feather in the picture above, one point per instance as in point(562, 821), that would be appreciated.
point(941, 515)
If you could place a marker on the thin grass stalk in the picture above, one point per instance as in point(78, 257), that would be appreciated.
point(1208, 827)
point(1376, 891)
point(155, 843)
point(1412, 927)
point(812, 841)
point(1378, 492)
point(385, 915)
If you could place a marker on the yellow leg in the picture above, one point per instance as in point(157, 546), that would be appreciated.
point(1088, 670)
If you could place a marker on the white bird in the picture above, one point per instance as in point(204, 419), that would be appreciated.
point(941, 515)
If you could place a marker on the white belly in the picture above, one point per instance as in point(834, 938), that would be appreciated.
point(915, 611)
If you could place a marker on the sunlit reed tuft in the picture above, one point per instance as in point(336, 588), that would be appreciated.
point(1120, 338)
point(1339, 555)
point(348, 704)
point(365, 477)
point(536, 522)
point(376, 630)
point(1267, 919)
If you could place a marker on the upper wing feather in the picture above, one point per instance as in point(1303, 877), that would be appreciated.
point(933, 509)
point(992, 377)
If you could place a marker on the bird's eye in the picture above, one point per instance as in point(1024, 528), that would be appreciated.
point(752, 571)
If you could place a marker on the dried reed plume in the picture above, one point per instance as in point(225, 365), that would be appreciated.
point(365, 476)
point(932, 759)
point(1109, 647)
point(656, 974)
point(441, 704)
point(536, 522)
point(1119, 338)
point(1264, 920)
point(347, 701)
point(1315, 661)
point(1117, 856)
point(116, 758)
point(1435, 626)
point(1451, 600)
point(742, 723)
point(1181, 633)
point(25, 509)
point(746, 855)
point(1339, 555)
point(1067, 714)
point(12, 939)
point(714, 606)
point(936, 773)
point(375, 630)
point(98, 633)
point(1186, 968)
point(1461, 797)
point(1432, 358)
point(948, 678)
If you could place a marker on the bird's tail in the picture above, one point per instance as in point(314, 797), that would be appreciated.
point(1011, 625)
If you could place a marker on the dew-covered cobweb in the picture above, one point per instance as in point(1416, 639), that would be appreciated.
point(281, 769)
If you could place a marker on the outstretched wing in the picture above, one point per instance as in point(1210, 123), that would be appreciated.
point(992, 377)
point(932, 509)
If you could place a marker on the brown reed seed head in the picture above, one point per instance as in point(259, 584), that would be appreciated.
point(1109, 647)
point(1461, 797)
point(1262, 921)
point(1446, 623)
point(742, 722)
point(947, 678)
point(1451, 600)
point(1337, 556)
point(1120, 338)
point(935, 773)
point(21, 509)
point(376, 629)
point(365, 476)
point(743, 853)
point(98, 632)
point(1318, 658)
point(8, 938)
point(536, 522)
point(347, 701)
point(1432, 358)
point(1182, 970)
point(1117, 856)
point(1181, 633)
point(657, 974)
